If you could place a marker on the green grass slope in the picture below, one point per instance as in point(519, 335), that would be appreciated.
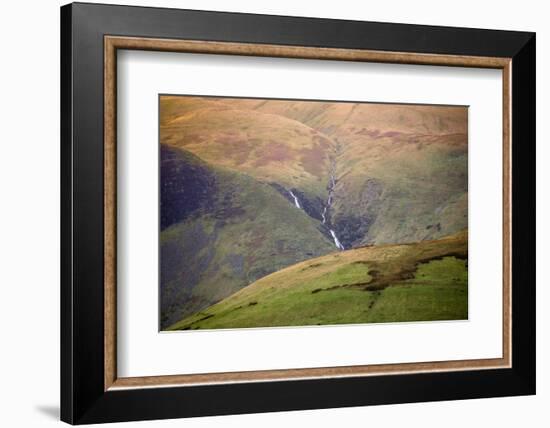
point(221, 231)
point(388, 283)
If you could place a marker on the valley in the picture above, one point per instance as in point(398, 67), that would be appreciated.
point(252, 187)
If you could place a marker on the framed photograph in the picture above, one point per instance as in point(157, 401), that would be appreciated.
point(265, 213)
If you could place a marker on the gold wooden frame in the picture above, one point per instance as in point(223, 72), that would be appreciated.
point(113, 43)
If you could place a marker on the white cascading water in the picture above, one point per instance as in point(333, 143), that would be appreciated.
point(326, 207)
point(336, 241)
point(332, 184)
point(296, 201)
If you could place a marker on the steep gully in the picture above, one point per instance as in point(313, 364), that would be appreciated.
point(330, 187)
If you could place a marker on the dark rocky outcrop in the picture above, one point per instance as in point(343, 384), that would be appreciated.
point(186, 184)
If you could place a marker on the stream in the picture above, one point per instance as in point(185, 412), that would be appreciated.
point(296, 201)
point(326, 207)
point(336, 241)
point(331, 185)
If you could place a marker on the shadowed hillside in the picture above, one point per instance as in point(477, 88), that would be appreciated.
point(222, 230)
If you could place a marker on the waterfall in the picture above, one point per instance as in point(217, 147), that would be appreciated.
point(327, 205)
point(336, 241)
point(330, 188)
point(332, 183)
point(296, 201)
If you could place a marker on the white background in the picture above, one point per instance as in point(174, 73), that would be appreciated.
point(29, 226)
point(142, 351)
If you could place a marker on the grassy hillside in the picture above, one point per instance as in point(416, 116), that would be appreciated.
point(221, 231)
point(400, 171)
point(269, 147)
point(250, 187)
point(387, 283)
point(405, 190)
point(341, 119)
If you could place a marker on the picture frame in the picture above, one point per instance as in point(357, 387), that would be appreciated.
point(91, 390)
